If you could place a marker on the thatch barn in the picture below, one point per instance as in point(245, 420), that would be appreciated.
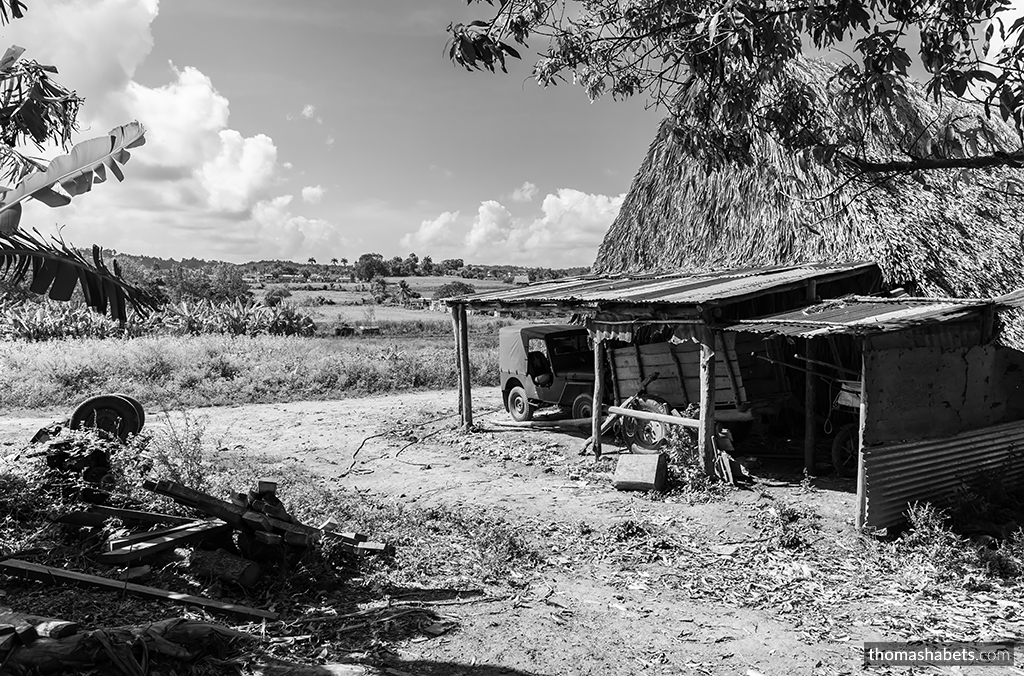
point(944, 232)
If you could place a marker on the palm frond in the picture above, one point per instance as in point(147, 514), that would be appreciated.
point(33, 106)
point(11, 9)
point(56, 269)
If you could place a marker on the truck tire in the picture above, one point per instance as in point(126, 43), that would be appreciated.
point(583, 406)
point(646, 436)
point(518, 405)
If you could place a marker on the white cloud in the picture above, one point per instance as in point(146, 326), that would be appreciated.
point(435, 233)
point(493, 226)
point(198, 187)
point(312, 194)
point(566, 234)
point(524, 193)
point(330, 140)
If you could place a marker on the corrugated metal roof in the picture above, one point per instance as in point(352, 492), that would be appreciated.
point(692, 289)
point(897, 475)
point(858, 315)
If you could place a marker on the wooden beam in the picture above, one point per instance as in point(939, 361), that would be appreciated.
point(595, 423)
point(865, 402)
point(138, 516)
point(35, 571)
point(466, 379)
point(610, 358)
point(659, 417)
point(159, 543)
point(458, 348)
point(679, 372)
point(810, 396)
point(706, 431)
point(119, 543)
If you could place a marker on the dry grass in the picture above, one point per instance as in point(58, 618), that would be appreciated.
point(169, 372)
point(947, 235)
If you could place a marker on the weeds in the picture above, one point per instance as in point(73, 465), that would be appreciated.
point(170, 372)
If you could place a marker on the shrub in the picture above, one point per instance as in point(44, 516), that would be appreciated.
point(276, 295)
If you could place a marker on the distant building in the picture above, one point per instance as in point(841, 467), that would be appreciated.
point(521, 280)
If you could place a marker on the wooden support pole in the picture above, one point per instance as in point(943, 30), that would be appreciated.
point(865, 402)
point(706, 431)
point(810, 396)
point(647, 415)
point(458, 352)
point(465, 380)
point(595, 424)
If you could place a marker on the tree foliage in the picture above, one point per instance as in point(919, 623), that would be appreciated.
point(34, 108)
point(725, 59)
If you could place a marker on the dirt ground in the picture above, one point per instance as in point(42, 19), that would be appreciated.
point(585, 617)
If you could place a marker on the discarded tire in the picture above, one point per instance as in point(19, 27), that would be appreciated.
point(114, 414)
point(645, 436)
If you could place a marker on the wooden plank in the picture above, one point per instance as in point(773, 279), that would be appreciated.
point(136, 550)
point(35, 571)
point(616, 392)
point(121, 542)
point(595, 423)
point(85, 519)
point(680, 376)
point(466, 381)
point(706, 431)
point(139, 516)
point(639, 362)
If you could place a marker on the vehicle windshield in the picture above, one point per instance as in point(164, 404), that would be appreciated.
point(570, 352)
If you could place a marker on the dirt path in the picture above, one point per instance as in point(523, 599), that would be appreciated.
point(583, 619)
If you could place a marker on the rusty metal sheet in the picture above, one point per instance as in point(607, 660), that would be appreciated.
point(681, 289)
point(859, 316)
point(899, 474)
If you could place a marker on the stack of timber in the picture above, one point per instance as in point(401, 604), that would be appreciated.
point(260, 514)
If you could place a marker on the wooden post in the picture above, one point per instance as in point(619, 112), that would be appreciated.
point(598, 395)
point(465, 380)
point(862, 494)
point(810, 424)
point(706, 432)
point(458, 352)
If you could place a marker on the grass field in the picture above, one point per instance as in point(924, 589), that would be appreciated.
point(179, 371)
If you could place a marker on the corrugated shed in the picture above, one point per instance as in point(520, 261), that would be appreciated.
point(859, 315)
point(897, 475)
point(677, 289)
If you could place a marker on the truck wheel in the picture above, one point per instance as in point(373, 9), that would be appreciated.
point(583, 406)
point(845, 454)
point(643, 436)
point(519, 405)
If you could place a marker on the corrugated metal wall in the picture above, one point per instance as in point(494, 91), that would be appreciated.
point(899, 474)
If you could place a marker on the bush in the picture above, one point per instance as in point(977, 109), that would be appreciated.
point(452, 289)
point(275, 296)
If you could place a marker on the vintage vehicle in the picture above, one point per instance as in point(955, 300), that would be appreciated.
point(546, 365)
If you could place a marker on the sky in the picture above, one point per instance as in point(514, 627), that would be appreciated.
point(328, 129)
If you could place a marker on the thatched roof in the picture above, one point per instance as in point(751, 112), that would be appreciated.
point(943, 232)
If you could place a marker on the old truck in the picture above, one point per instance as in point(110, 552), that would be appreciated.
point(546, 365)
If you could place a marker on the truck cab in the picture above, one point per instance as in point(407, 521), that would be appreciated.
point(546, 365)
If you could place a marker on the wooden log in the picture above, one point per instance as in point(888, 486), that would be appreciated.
point(595, 427)
point(810, 423)
point(137, 516)
point(137, 550)
point(224, 566)
point(706, 431)
point(269, 538)
point(660, 417)
point(47, 627)
point(866, 402)
point(35, 571)
point(280, 668)
point(458, 362)
point(641, 472)
point(466, 382)
point(543, 424)
point(266, 487)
